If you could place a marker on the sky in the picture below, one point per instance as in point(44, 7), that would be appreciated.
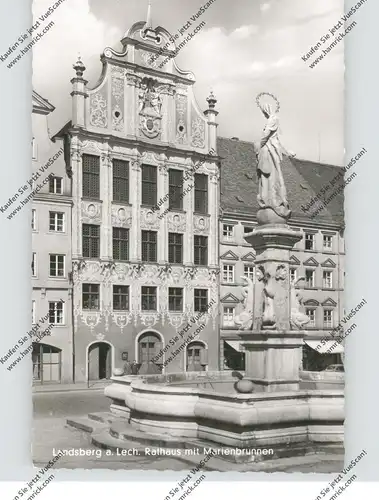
point(246, 47)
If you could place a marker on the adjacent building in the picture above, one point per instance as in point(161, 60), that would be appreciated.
point(51, 257)
point(318, 257)
point(145, 193)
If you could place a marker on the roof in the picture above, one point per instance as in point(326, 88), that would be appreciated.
point(303, 180)
point(41, 105)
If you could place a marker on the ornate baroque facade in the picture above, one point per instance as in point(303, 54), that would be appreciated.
point(144, 122)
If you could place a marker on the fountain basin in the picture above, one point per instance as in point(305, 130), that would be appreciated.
point(156, 404)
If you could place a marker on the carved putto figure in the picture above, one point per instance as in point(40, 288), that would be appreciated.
point(149, 98)
point(245, 319)
point(297, 319)
point(272, 191)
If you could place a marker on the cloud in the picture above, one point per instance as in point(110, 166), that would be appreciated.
point(264, 7)
point(76, 30)
point(244, 32)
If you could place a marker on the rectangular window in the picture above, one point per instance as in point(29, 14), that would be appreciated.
point(149, 298)
point(227, 232)
point(56, 185)
point(175, 183)
point(34, 149)
point(327, 281)
point(201, 250)
point(33, 312)
point(91, 296)
point(328, 318)
point(201, 193)
point(149, 246)
point(34, 220)
point(57, 266)
point(121, 181)
point(56, 313)
point(228, 316)
point(309, 278)
point(175, 299)
point(34, 264)
point(120, 298)
point(293, 274)
point(309, 241)
point(201, 300)
point(311, 313)
point(149, 185)
point(120, 242)
point(91, 241)
point(327, 242)
point(175, 248)
point(91, 177)
point(56, 222)
point(249, 272)
point(228, 273)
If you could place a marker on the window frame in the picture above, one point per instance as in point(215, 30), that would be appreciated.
point(56, 221)
point(175, 297)
point(91, 238)
point(200, 251)
point(93, 183)
point(149, 295)
point(120, 296)
point(91, 294)
point(118, 180)
point(57, 255)
point(201, 195)
point(309, 237)
point(231, 322)
point(150, 244)
point(199, 298)
point(52, 182)
point(57, 305)
point(230, 272)
point(116, 241)
point(149, 186)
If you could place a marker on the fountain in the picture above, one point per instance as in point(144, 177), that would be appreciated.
point(264, 409)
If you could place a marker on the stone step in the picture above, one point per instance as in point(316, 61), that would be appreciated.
point(86, 424)
point(102, 416)
point(103, 439)
point(122, 430)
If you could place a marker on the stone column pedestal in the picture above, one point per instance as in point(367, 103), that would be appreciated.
point(272, 348)
point(272, 359)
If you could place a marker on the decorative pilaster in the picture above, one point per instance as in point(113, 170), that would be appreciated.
point(106, 196)
point(135, 196)
point(188, 205)
point(213, 204)
point(162, 234)
point(76, 166)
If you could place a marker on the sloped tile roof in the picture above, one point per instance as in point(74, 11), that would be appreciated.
point(303, 179)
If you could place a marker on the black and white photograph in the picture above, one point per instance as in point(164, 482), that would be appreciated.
point(187, 220)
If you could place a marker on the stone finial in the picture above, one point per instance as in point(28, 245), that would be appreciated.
point(211, 100)
point(79, 67)
point(149, 22)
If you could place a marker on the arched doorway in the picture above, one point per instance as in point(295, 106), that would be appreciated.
point(149, 345)
point(196, 357)
point(99, 361)
point(47, 363)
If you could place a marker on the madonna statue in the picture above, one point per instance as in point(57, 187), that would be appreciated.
point(272, 194)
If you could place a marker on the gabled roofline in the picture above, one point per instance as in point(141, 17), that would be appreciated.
point(41, 106)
